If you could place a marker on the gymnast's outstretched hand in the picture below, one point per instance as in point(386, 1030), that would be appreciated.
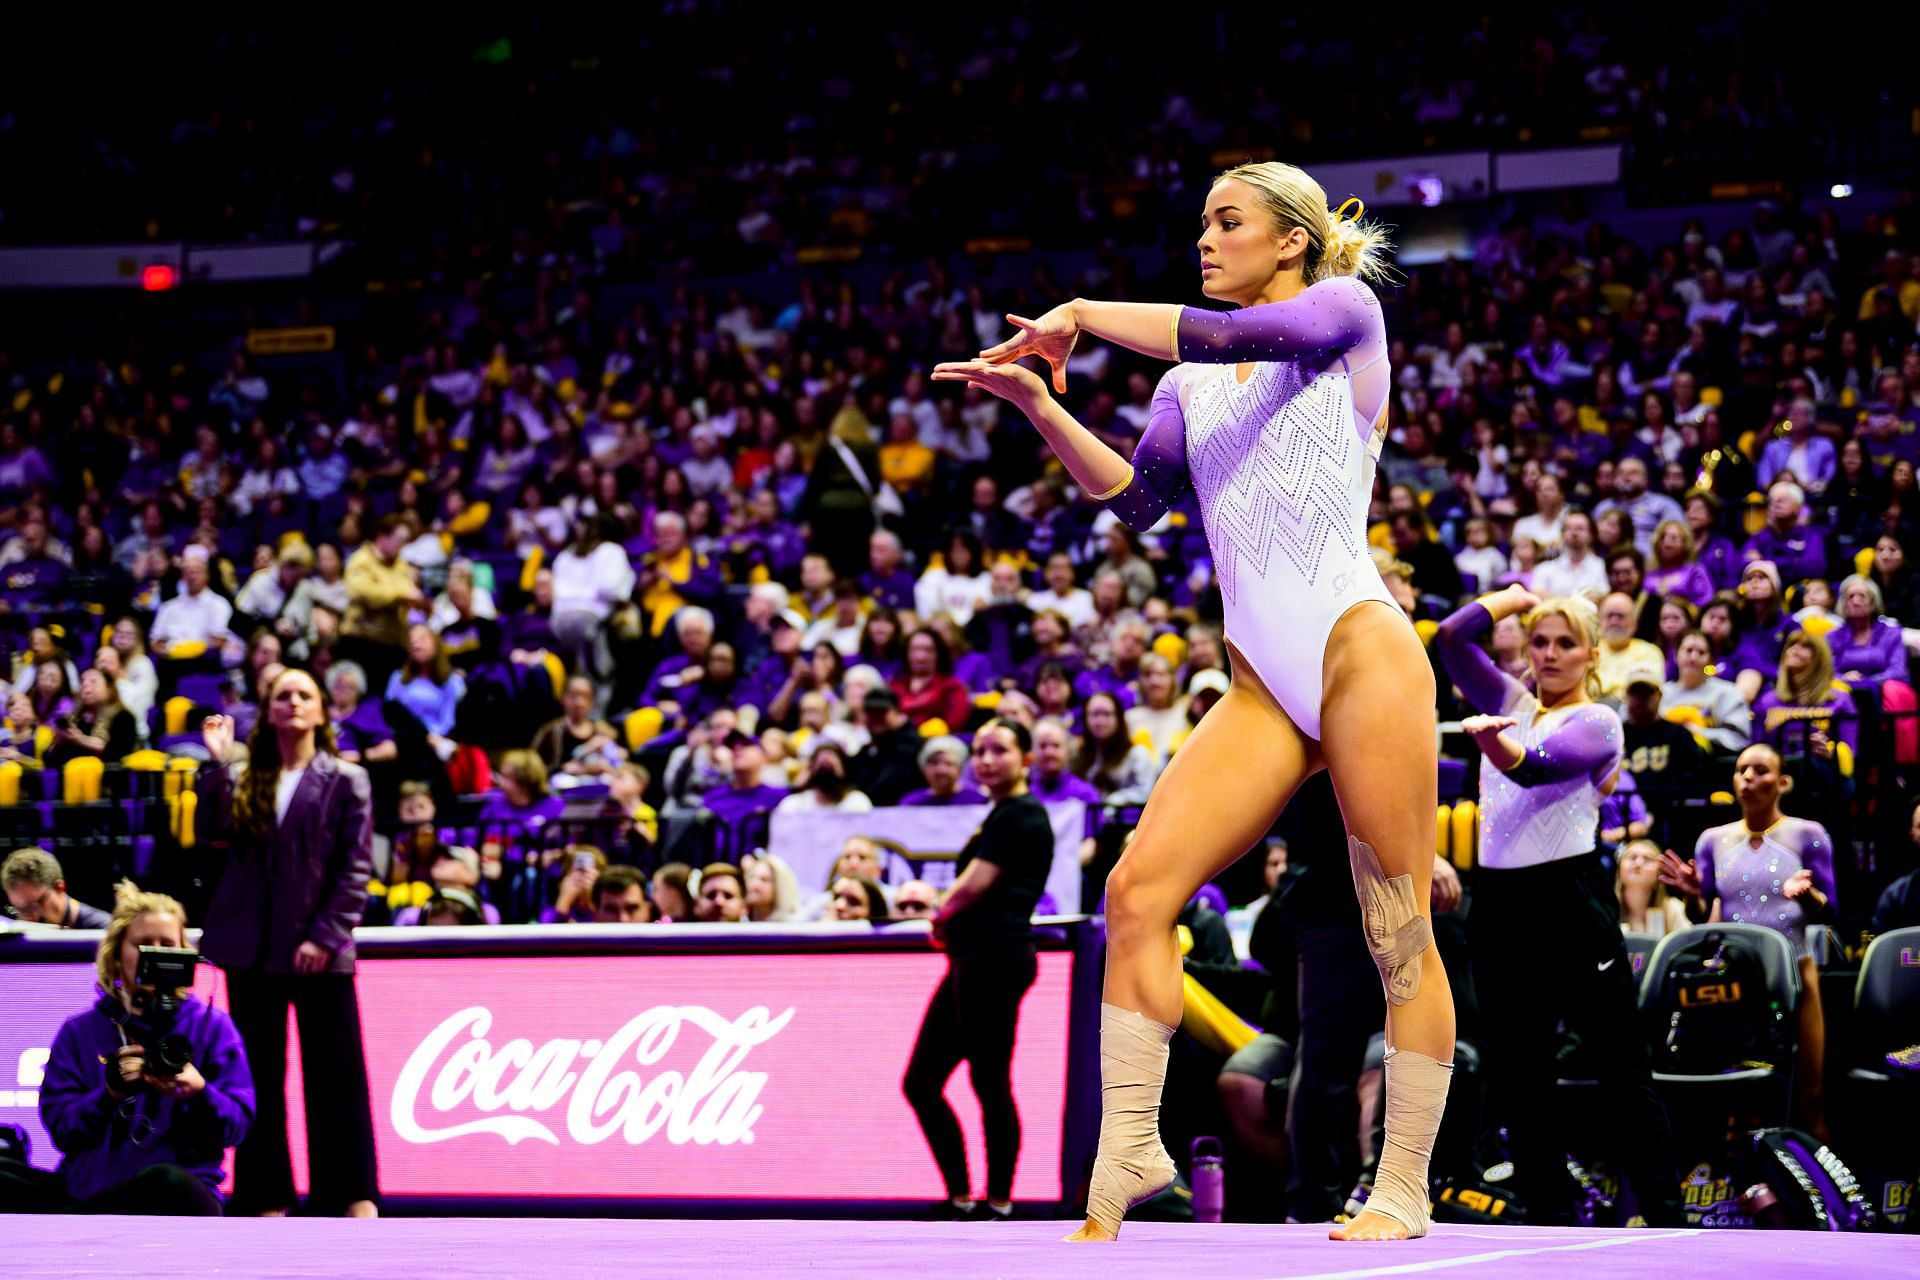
point(1016, 384)
point(1051, 337)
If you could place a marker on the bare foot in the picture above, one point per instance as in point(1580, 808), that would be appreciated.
point(363, 1209)
point(1369, 1226)
point(1091, 1230)
point(272, 1213)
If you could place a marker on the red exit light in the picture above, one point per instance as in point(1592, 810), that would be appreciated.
point(159, 278)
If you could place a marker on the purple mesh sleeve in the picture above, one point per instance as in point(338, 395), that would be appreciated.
point(1159, 461)
point(1703, 863)
point(1585, 744)
point(1816, 855)
point(1327, 319)
point(1487, 688)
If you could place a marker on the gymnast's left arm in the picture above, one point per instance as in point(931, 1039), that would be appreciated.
point(1327, 319)
point(1587, 742)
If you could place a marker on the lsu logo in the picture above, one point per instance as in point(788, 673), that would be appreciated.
point(1909, 958)
point(1706, 993)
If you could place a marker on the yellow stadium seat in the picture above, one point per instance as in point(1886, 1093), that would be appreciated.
point(1863, 561)
point(1465, 845)
point(80, 779)
point(1426, 629)
point(180, 818)
point(174, 715)
point(934, 728)
point(531, 569)
point(643, 726)
point(1172, 646)
point(988, 701)
point(10, 772)
point(1443, 833)
point(1141, 738)
point(148, 761)
point(1746, 442)
point(1712, 397)
point(557, 671)
point(187, 649)
point(181, 771)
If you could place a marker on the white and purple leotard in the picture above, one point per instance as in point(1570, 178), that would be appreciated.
point(1547, 807)
point(1747, 880)
point(1282, 465)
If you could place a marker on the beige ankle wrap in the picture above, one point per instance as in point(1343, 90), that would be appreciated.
point(1416, 1099)
point(1132, 1165)
point(1397, 934)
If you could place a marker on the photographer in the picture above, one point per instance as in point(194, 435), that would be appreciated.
point(146, 1090)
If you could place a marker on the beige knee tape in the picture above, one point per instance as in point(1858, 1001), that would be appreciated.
point(1132, 1165)
point(1397, 933)
point(1416, 1099)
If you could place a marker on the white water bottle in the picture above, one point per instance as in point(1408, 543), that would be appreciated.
point(1208, 1175)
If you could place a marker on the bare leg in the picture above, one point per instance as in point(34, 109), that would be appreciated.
point(1196, 823)
point(1376, 732)
point(1810, 1071)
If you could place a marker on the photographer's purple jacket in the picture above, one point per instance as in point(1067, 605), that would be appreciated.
point(96, 1132)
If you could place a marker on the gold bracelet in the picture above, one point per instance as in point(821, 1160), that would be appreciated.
point(1173, 335)
point(1118, 489)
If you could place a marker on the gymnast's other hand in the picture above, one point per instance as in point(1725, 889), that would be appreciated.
point(1509, 600)
point(1016, 384)
point(1482, 727)
point(1051, 337)
point(1683, 876)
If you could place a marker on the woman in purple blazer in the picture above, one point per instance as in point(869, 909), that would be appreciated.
point(296, 825)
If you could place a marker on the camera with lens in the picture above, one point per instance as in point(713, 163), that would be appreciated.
point(163, 972)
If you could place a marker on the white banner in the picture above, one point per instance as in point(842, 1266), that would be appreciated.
point(810, 841)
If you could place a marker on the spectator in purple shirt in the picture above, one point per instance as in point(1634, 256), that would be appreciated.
point(23, 468)
point(1050, 779)
point(887, 580)
point(523, 799)
point(940, 764)
point(1675, 571)
point(1868, 648)
point(1798, 551)
point(1646, 511)
point(1799, 453)
point(1130, 641)
point(34, 574)
point(1764, 631)
point(744, 795)
point(1714, 550)
point(1803, 714)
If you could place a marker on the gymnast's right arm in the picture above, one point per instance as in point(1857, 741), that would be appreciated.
point(1486, 687)
point(1139, 492)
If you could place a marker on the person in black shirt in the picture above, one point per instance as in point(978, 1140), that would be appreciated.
point(889, 765)
point(984, 924)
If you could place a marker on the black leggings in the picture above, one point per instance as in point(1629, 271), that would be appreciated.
point(157, 1190)
point(1546, 946)
point(333, 1069)
point(972, 1018)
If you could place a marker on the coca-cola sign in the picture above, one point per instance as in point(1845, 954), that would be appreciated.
point(772, 1077)
point(456, 1065)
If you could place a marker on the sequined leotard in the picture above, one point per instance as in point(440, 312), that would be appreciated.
point(1748, 880)
point(1283, 467)
point(1548, 806)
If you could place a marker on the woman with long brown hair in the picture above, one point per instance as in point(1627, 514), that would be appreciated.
point(296, 825)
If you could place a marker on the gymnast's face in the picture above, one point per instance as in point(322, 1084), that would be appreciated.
point(1240, 249)
point(1560, 656)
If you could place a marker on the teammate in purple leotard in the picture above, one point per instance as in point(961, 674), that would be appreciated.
point(1543, 934)
point(1328, 673)
point(1772, 870)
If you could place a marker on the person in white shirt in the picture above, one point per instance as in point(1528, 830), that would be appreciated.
point(267, 592)
point(591, 578)
point(1576, 570)
point(1543, 526)
point(1480, 561)
point(1075, 604)
point(198, 615)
